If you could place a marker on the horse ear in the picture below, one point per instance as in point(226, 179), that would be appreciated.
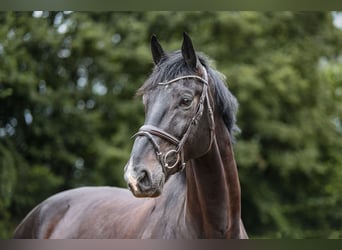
point(188, 51)
point(157, 50)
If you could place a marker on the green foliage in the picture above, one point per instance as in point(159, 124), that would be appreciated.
point(67, 107)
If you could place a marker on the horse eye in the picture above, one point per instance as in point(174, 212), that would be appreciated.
point(186, 101)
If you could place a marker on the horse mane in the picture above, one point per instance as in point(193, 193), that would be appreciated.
point(173, 65)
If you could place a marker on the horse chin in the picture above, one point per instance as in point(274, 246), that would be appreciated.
point(147, 194)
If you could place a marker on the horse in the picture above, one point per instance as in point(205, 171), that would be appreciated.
point(182, 179)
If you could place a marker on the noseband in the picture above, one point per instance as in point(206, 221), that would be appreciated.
point(149, 130)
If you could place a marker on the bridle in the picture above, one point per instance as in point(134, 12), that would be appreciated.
point(149, 130)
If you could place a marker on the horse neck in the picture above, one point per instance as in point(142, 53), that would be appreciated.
point(213, 189)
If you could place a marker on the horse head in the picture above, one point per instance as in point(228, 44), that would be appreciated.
point(176, 96)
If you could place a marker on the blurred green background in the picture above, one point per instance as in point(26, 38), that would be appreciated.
point(67, 107)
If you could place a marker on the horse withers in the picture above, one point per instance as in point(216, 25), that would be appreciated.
point(181, 167)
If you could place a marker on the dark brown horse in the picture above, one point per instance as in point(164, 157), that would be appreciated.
point(181, 165)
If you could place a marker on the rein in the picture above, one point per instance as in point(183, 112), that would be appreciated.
point(149, 130)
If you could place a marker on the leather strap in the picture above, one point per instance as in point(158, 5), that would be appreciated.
point(160, 133)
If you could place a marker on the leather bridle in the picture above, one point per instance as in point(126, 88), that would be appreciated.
point(150, 131)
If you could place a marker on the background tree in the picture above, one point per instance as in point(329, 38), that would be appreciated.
point(67, 107)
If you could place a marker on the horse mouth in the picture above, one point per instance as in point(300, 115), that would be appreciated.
point(144, 191)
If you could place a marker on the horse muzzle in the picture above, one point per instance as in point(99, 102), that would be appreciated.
point(142, 182)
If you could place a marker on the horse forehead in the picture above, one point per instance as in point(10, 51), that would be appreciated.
point(172, 90)
point(158, 102)
point(159, 99)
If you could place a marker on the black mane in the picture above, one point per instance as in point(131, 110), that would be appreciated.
point(173, 65)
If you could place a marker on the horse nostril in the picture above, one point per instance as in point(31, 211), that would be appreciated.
point(144, 179)
point(130, 187)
